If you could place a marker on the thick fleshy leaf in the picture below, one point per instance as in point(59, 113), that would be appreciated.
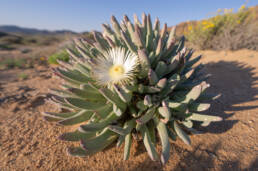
point(60, 102)
point(120, 140)
point(50, 116)
point(161, 69)
point(164, 31)
point(73, 75)
point(141, 106)
point(128, 42)
point(165, 112)
point(130, 27)
point(193, 94)
point(137, 38)
point(205, 123)
point(77, 136)
point(171, 38)
point(188, 75)
point(108, 32)
point(61, 93)
point(128, 126)
point(148, 143)
point(80, 117)
point(83, 68)
point(153, 78)
point(59, 116)
point(116, 26)
point(148, 89)
point(162, 83)
point(124, 94)
point(103, 111)
point(204, 118)
point(99, 39)
point(193, 61)
point(199, 107)
point(204, 86)
point(177, 106)
point(188, 123)
point(117, 110)
point(89, 87)
point(86, 55)
point(173, 64)
point(171, 134)
point(113, 98)
point(181, 44)
point(162, 130)
point(85, 94)
point(181, 133)
point(133, 111)
point(157, 25)
point(147, 100)
point(151, 126)
point(136, 20)
point(83, 104)
point(144, 61)
point(77, 152)
point(105, 138)
point(147, 116)
point(149, 36)
point(189, 54)
point(171, 84)
point(100, 125)
point(127, 147)
point(117, 129)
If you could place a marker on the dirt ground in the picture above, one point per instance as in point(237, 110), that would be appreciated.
point(27, 142)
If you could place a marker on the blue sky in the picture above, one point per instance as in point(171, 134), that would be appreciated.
point(82, 15)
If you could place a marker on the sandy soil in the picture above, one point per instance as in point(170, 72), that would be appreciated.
point(27, 142)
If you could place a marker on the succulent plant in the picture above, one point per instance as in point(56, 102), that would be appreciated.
point(131, 81)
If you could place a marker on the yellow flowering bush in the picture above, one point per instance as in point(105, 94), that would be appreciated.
point(200, 33)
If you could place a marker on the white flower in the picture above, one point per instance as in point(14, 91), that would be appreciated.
point(116, 66)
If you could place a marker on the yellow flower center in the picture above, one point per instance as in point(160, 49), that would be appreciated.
point(116, 71)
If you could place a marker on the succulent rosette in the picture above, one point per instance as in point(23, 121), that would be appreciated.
point(132, 80)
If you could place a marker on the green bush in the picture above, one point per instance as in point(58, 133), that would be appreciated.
point(6, 47)
point(22, 76)
point(63, 56)
point(221, 31)
point(13, 63)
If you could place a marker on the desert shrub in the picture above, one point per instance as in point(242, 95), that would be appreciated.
point(29, 41)
point(25, 50)
point(12, 39)
point(225, 30)
point(49, 40)
point(41, 39)
point(2, 34)
point(62, 55)
point(6, 47)
point(13, 63)
point(22, 76)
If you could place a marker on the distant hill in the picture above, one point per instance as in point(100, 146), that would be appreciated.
point(2, 34)
point(23, 30)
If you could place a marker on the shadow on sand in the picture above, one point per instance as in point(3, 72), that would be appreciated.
point(236, 82)
point(199, 159)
